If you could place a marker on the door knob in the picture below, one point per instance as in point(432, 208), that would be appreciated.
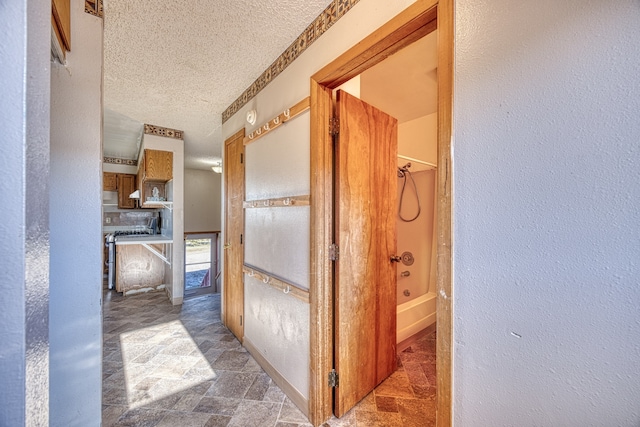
point(227, 246)
point(395, 258)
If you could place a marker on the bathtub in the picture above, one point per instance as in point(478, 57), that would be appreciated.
point(415, 315)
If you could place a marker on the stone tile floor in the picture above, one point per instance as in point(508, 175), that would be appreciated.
point(167, 365)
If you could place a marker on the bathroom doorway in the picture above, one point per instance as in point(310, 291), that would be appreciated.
point(414, 23)
point(385, 170)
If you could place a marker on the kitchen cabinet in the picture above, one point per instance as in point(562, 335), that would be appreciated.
point(126, 186)
point(158, 165)
point(156, 168)
point(61, 23)
point(109, 181)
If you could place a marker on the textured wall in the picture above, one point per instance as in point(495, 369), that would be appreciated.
point(547, 218)
point(24, 247)
point(201, 200)
point(76, 221)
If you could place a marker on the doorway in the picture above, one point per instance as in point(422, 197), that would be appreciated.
point(416, 21)
point(201, 266)
point(388, 176)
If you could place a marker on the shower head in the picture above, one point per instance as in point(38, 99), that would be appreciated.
point(404, 169)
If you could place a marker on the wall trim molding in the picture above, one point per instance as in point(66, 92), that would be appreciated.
point(94, 7)
point(119, 161)
point(336, 10)
point(162, 131)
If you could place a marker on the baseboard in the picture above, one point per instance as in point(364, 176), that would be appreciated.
point(292, 393)
point(407, 343)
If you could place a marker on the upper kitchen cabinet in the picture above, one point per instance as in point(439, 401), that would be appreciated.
point(61, 23)
point(155, 169)
point(109, 181)
point(158, 165)
point(126, 186)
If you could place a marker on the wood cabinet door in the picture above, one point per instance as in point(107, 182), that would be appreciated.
point(126, 186)
point(158, 165)
point(233, 234)
point(109, 181)
point(365, 287)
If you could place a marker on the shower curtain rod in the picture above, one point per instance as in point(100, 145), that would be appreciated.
point(411, 159)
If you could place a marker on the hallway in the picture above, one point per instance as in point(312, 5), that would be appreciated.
point(167, 365)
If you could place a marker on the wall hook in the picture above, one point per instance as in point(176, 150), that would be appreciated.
point(287, 113)
point(276, 120)
point(286, 201)
point(287, 289)
point(266, 279)
point(258, 131)
point(267, 202)
point(251, 135)
point(266, 126)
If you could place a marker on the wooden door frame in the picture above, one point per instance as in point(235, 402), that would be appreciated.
point(419, 19)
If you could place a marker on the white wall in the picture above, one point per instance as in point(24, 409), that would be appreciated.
point(547, 218)
point(202, 200)
point(176, 271)
point(418, 138)
point(24, 247)
point(76, 227)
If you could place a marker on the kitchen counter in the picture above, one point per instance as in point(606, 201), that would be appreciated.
point(151, 239)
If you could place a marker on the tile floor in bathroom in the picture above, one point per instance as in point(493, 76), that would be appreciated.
point(167, 365)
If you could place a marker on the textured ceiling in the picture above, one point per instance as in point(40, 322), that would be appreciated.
point(179, 64)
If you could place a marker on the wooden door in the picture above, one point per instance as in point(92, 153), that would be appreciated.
point(234, 228)
point(365, 288)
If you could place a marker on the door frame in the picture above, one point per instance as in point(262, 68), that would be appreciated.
point(419, 19)
point(214, 267)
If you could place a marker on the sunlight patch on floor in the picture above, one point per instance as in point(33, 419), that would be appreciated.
point(173, 364)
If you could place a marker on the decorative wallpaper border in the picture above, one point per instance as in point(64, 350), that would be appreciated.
point(118, 161)
point(94, 7)
point(322, 23)
point(160, 131)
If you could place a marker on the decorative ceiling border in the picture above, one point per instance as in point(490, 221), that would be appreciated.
point(322, 23)
point(119, 161)
point(160, 131)
point(94, 7)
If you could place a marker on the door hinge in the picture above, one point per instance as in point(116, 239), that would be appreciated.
point(241, 320)
point(334, 252)
point(241, 158)
point(334, 126)
point(241, 239)
point(334, 380)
